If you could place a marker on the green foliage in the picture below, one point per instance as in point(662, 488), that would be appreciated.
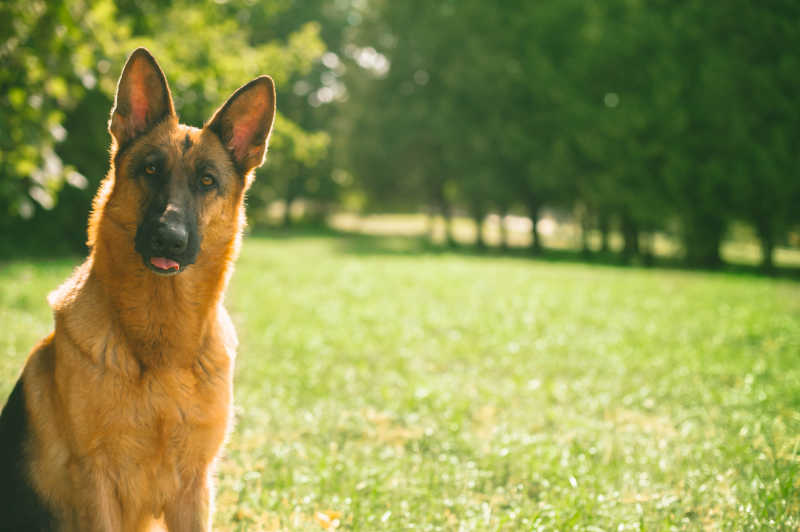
point(453, 393)
point(60, 66)
point(668, 116)
point(661, 116)
point(47, 63)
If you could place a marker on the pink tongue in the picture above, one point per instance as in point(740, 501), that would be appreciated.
point(164, 264)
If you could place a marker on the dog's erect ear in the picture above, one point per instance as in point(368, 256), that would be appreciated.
point(143, 98)
point(244, 123)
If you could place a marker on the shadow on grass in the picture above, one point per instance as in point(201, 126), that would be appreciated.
point(417, 246)
point(414, 246)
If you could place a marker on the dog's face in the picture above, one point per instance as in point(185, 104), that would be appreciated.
point(188, 183)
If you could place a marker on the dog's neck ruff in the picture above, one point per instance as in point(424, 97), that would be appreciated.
point(163, 321)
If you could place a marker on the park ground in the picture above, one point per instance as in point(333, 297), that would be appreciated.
point(385, 385)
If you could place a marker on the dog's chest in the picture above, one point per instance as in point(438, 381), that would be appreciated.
point(162, 433)
point(182, 411)
point(179, 417)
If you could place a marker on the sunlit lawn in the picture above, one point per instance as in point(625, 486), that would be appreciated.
point(380, 387)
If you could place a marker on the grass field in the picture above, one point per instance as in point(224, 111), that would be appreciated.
point(383, 387)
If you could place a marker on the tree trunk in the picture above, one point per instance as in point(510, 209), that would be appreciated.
point(647, 248)
point(584, 223)
point(767, 241)
point(503, 230)
point(603, 223)
point(630, 235)
point(702, 236)
point(477, 216)
point(533, 213)
point(449, 230)
point(440, 201)
point(702, 252)
point(287, 213)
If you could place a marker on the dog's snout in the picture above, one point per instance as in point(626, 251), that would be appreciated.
point(168, 230)
point(170, 239)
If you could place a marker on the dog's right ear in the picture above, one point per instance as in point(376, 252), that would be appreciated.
point(244, 123)
point(143, 98)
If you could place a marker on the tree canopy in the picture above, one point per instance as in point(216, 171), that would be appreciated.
point(661, 116)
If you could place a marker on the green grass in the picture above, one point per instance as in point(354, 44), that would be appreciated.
point(435, 391)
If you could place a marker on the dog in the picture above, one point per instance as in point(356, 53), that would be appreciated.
point(119, 415)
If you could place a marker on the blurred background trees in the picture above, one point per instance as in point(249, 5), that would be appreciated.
point(625, 117)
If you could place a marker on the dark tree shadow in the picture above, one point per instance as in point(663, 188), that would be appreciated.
point(416, 246)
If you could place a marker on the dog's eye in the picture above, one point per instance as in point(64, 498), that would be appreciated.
point(150, 169)
point(207, 182)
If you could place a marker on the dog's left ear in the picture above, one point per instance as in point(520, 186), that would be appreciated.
point(244, 123)
point(143, 98)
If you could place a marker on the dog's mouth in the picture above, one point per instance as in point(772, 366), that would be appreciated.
point(165, 254)
point(164, 265)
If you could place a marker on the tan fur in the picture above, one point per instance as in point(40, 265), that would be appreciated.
point(130, 398)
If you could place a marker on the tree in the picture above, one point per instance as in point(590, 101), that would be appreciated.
point(756, 61)
point(60, 64)
point(49, 55)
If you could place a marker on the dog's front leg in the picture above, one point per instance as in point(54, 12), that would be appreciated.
point(191, 510)
point(103, 512)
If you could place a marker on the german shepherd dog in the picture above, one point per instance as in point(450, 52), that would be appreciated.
point(119, 415)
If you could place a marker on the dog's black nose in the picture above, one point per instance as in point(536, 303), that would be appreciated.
point(170, 239)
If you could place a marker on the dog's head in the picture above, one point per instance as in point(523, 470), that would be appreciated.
point(178, 190)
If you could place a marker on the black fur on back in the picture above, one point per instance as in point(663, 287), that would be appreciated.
point(21, 509)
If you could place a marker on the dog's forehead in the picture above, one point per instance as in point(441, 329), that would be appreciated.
point(184, 138)
point(191, 142)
